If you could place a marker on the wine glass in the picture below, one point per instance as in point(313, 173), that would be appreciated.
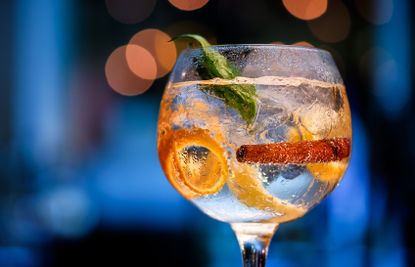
point(257, 171)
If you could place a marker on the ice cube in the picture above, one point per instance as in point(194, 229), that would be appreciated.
point(319, 119)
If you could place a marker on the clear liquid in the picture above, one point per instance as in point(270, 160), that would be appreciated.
point(288, 109)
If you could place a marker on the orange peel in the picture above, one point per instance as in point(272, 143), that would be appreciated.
point(247, 187)
point(186, 173)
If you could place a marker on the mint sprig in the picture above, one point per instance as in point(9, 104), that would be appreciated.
point(212, 64)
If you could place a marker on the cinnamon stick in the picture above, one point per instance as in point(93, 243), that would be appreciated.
point(302, 152)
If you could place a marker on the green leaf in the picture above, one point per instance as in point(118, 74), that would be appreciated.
point(241, 97)
point(202, 41)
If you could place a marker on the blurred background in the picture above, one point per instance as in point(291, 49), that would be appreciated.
point(80, 181)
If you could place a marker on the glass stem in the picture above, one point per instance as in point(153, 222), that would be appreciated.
point(254, 240)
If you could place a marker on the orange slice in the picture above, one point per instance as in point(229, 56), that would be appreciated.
point(328, 171)
point(247, 187)
point(331, 171)
point(193, 161)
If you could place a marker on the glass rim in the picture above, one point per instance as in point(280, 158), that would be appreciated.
point(284, 46)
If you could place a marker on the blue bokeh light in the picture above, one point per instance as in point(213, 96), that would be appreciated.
point(392, 76)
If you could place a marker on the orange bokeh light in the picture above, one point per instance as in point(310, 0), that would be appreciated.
point(120, 77)
point(306, 9)
point(303, 43)
point(334, 25)
point(188, 5)
point(141, 62)
point(157, 43)
point(130, 11)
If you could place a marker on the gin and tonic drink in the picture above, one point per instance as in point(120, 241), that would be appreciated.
point(271, 169)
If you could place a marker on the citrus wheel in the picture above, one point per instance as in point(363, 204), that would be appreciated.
point(193, 161)
point(248, 189)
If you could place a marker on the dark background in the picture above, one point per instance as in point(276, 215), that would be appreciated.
point(80, 182)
